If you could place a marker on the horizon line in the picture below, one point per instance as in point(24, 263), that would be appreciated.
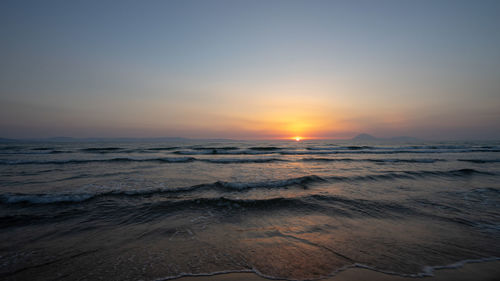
point(62, 138)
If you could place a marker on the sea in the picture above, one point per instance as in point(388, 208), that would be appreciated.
point(290, 210)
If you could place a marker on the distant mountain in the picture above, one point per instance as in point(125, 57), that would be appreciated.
point(367, 137)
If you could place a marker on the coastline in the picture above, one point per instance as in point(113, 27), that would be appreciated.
point(473, 271)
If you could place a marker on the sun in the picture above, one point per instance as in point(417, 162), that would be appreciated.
point(298, 138)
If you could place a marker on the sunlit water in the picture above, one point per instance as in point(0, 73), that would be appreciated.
point(294, 210)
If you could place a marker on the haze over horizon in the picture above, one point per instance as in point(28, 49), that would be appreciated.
point(358, 137)
point(250, 69)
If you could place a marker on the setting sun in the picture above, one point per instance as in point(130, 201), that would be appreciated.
point(298, 138)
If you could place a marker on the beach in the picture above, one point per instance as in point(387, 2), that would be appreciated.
point(486, 271)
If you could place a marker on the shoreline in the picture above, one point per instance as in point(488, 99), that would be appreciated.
point(488, 270)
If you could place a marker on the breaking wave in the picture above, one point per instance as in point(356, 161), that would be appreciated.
point(223, 186)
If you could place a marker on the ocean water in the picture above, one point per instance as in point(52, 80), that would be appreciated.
point(281, 209)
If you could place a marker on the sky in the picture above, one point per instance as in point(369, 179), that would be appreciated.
point(250, 69)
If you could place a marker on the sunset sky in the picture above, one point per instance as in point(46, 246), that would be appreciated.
point(250, 69)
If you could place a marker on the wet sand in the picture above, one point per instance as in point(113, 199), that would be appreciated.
point(485, 271)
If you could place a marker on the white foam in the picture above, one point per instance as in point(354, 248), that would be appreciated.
point(426, 272)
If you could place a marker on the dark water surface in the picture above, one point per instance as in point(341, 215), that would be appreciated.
point(294, 210)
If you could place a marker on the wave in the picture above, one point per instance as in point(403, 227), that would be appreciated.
point(101, 149)
point(329, 159)
point(60, 151)
point(333, 204)
point(35, 152)
point(223, 186)
point(480, 161)
point(409, 175)
point(405, 160)
point(275, 202)
point(352, 147)
point(318, 152)
point(231, 150)
point(381, 161)
point(11, 147)
point(321, 152)
point(162, 148)
point(224, 160)
point(161, 160)
point(265, 148)
point(86, 161)
point(242, 160)
point(449, 173)
point(12, 198)
point(427, 271)
point(45, 198)
point(216, 148)
point(302, 181)
point(411, 147)
point(372, 160)
point(223, 152)
point(150, 210)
